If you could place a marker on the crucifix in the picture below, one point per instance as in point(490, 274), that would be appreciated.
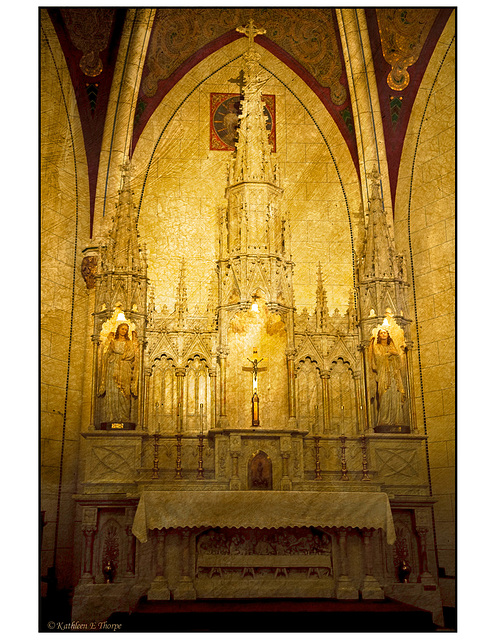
point(255, 401)
point(251, 32)
point(240, 80)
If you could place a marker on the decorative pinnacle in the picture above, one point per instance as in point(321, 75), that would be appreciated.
point(375, 179)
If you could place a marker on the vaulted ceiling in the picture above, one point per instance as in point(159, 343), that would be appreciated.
point(307, 40)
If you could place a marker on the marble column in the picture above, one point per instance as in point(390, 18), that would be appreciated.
point(213, 397)
point(222, 364)
point(92, 417)
point(425, 575)
point(410, 395)
point(180, 374)
point(131, 552)
point(292, 389)
point(325, 380)
point(142, 390)
point(88, 547)
point(158, 589)
point(235, 452)
point(371, 589)
point(130, 544)
point(345, 589)
point(185, 589)
point(146, 399)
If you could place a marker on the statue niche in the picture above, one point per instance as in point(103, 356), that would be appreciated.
point(388, 394)
point(118, 377)
point(260, 472)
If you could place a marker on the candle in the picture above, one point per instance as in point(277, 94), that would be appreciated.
point(201, 418)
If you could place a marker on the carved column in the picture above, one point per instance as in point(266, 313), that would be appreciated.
point(410, 395)
point(285, 451)
point(345, 588)
point(89, 539)
point(235, 452)
point(371, 588)
point(286, 484)
point(292, 389)
point(88, 527)
point(158, 589)
point(146, 400)
point(369, 417)
point(325, 380)
point(142, 390)
point(180, 373)
point(222, 364)
point(130, 544)
point(359, 403)
point(158, 548)
point(185, 589)
point(94, 382)
point(425, 575)
point(213, 397)
point(422, 520)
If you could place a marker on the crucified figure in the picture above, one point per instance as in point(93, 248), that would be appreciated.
point(255, 369)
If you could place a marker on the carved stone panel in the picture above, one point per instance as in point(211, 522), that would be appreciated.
point(398, 465)
point(112, 462)
point(252, 553)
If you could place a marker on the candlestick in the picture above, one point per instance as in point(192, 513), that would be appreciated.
point(154, 475)
point(201, 471)
point(317, 459)
point(344, 475)
point(178, 464)
point(365, 459)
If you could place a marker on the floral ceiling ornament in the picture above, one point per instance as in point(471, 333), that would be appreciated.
point(308, 35)
point(403, 33)
point(89, 30)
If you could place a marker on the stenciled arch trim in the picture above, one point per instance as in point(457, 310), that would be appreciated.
point(341, 114)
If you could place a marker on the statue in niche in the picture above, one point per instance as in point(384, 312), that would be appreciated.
point(119, 375)
point(387, 389)
point(260, 472)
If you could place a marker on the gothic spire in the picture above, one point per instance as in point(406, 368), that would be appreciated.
point(181, 300)
point(252, 158)
point(379, 250)
point(321, 310)
point(124, 250)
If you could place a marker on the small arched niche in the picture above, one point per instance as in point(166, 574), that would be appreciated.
point(260, 472)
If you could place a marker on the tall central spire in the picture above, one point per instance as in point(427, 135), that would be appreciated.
point(252, 158)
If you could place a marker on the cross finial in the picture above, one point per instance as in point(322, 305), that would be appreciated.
point(251, 32)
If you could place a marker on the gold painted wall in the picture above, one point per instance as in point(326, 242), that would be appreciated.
point(186, 183)
point(427, 221)
point(64, 302)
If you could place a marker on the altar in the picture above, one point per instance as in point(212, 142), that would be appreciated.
point(262, 510)
point(306, 478)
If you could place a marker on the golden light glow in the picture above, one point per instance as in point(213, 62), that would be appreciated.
point(254, 307)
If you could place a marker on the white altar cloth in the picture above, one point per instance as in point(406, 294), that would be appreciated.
point(262, 509)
